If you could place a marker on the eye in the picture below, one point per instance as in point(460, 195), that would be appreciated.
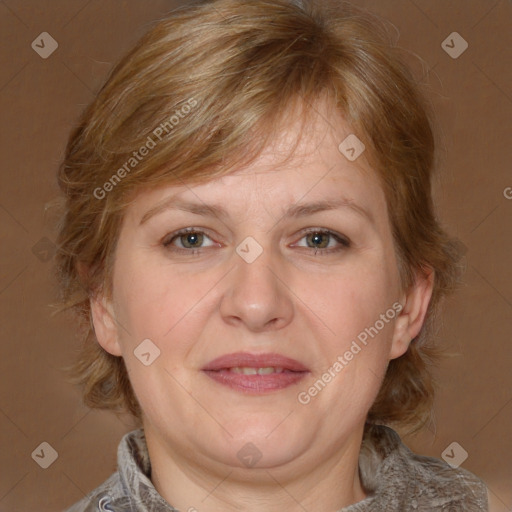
point(323, 240)
point(188, 239)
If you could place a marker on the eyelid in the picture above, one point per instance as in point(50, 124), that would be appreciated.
point(343, 241)
point(340, 238)
point(168, 239)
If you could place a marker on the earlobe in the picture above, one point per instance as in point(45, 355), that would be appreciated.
point(410, 320)
point(105, 326)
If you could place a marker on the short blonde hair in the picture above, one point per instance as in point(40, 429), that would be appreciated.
point(204, 91)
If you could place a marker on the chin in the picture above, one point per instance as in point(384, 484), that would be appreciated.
point(262, 442)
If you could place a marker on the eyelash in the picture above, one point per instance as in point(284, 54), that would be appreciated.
point(344, 243)
point(167, 241)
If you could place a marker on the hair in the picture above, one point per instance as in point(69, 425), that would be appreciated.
point(205, 91)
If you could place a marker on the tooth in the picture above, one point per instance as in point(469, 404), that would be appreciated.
point(245, 370)
point(265, 371)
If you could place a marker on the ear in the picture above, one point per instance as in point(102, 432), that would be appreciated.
point(105, 326)
point(415, 303)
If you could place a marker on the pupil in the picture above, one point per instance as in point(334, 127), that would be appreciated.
point(192, 239)
point(319, 240)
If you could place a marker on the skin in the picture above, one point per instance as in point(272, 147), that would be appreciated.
point(303, 302)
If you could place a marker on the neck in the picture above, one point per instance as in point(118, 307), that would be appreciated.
point(196, 484)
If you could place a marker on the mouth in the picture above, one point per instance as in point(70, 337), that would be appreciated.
point(255, 373)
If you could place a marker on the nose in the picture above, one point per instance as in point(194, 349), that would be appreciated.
point(256, 296)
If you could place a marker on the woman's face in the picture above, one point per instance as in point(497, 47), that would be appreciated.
point(287, 268)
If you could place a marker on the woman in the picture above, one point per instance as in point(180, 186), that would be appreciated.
point(261, 265)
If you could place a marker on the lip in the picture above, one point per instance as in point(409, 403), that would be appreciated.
point(254, 361)
point(220, 371)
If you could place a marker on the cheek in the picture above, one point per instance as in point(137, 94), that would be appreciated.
point(348, 303)
point(169, 308)
point(355, 348)
point(158, 304)
point(152, 299)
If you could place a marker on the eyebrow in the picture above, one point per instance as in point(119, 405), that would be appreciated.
point(295, 211)
point(195, 208)
point(302, 210)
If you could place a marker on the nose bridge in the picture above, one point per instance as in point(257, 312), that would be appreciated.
point(255, 296)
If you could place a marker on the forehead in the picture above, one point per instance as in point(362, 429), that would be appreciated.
point(303, 162)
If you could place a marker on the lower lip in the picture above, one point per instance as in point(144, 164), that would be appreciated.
point(255, 384)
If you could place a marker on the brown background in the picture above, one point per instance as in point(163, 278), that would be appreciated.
point(40, 100)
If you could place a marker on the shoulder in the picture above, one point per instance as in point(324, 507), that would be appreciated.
point(425, 483)
point(448, 486)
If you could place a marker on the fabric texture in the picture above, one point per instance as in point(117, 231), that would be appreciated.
point(394, 478)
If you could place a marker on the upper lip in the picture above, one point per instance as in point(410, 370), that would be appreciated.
point(247, 360)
